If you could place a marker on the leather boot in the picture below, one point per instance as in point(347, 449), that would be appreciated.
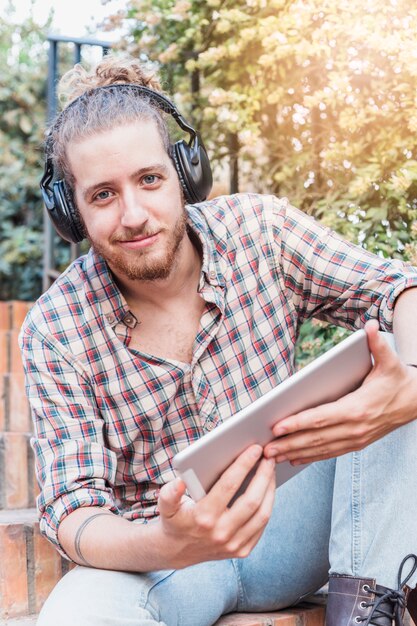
point(352, 600)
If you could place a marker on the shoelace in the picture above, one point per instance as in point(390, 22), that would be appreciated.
point(390, 599)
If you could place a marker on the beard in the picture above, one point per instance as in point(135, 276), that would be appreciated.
point(143, 264)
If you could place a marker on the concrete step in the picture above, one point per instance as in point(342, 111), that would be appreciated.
point(29, 566)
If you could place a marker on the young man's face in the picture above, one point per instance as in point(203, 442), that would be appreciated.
point(130, 200)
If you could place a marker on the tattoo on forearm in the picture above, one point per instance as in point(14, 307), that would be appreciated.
point(77, 539)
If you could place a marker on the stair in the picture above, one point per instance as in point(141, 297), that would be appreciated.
point(29, 566)
point(306, 614)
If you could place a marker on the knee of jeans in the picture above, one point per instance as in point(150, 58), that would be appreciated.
point(93, 597)
point(198, 594)
point(156, 596)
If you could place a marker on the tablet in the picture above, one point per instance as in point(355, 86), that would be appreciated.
point(329, 377)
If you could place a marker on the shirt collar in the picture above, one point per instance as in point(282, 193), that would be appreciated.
point(103, 293)
point(212, 270)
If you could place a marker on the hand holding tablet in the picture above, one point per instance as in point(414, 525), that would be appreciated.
point(329, 377)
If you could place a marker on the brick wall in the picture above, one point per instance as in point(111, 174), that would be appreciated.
point(29, 566)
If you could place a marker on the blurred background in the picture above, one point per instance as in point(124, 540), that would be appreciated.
point(315, 100)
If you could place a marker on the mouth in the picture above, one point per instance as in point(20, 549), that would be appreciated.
point(136, 243)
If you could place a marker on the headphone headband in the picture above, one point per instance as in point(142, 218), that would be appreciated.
point(158, 98)
point(190, 161)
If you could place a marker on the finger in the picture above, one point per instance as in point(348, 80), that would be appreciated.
point(249, 502)
point(219, 496)
point(248, 536)
point(343, 447)
point(303, 441)
point(170, 496)
point(323, 416)
point(336, 412)
point(332, 448)
point(320, 454)
point(323, 443)
point(379, 347)
point(316, 459)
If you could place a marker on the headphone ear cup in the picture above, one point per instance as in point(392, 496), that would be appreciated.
point(64, 214)
point(193, 169)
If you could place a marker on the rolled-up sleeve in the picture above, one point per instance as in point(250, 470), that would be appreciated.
point(74, 468)
point(331, 279)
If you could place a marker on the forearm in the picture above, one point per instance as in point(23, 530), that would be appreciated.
point(186, 532)
point(95, 537)
point(405, 326)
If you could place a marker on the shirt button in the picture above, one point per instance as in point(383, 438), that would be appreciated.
point(212, 275)
point(110, 318)
point(130, 320)
point(209, 425)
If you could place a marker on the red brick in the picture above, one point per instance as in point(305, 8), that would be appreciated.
point(4, 351)
point(15, 359)
point(14, 483)
point(314, 616)
point(4, 316)
point(306, 615)
point(2, 403)
point(13, 574)
point(18, 312)
point(16, 404)
point(33, 489)
point(30, 566)
point(47, 569)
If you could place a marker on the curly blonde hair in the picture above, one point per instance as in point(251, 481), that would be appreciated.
point(112, 70)
point(89, 110)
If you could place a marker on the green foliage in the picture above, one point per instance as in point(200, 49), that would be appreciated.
point(22, 119)
point(320, 93)
point(315, 338)
point(322, 96)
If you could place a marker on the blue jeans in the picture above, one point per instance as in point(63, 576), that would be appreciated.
point(354, 515)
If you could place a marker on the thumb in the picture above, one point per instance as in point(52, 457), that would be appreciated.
point(170, 496)
point(379, 347)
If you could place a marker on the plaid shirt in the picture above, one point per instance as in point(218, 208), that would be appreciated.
point(108, 420)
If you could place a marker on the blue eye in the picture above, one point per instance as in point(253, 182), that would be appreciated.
point(150, 179)
point(103, 195)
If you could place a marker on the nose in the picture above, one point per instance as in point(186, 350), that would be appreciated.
point(134, 214)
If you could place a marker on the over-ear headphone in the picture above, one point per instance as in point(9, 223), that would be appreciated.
point(190, 161)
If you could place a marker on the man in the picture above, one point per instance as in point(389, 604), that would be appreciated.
point(177, 318)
